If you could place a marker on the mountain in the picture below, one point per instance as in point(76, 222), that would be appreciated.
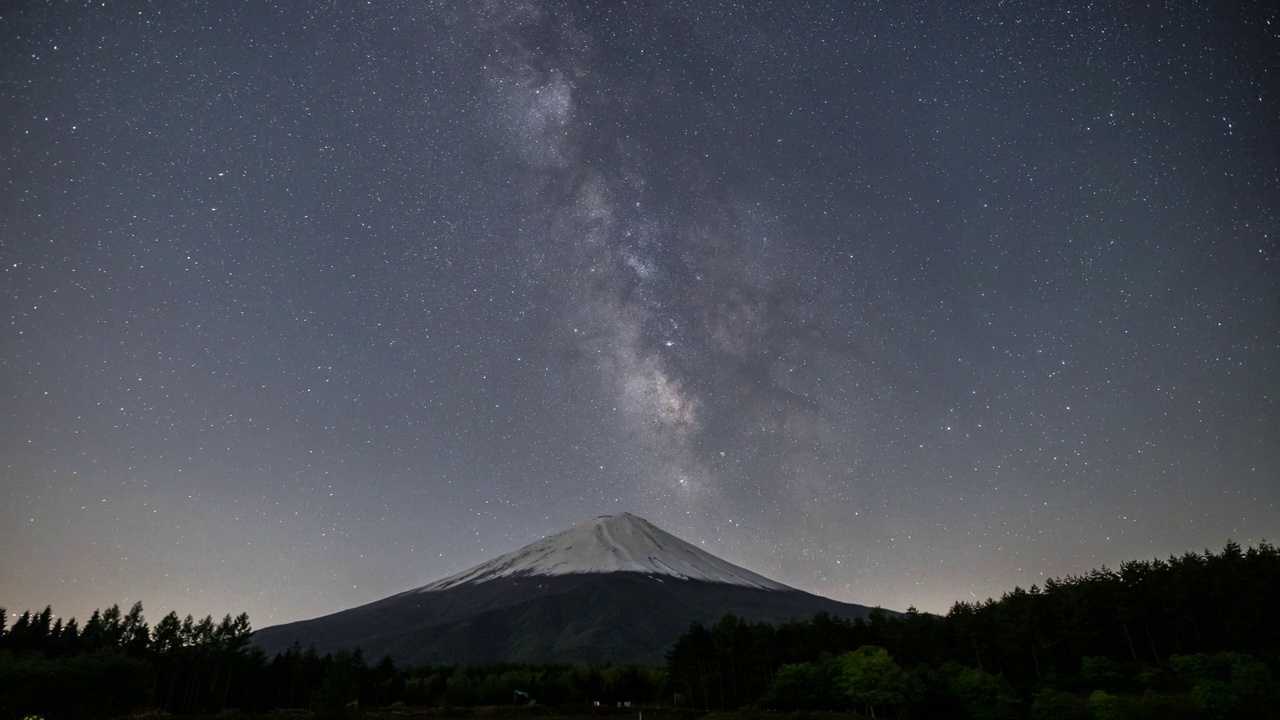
point(609, 544)
point(616, 588)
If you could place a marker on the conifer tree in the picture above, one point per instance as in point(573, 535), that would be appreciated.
point(112, 630)
point(18, 635)
point(134, 634)
point(166, 636)
point(91, 635)
point(69, 642)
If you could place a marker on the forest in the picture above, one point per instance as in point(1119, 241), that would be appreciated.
point(1194, 636)
point(1191, 636)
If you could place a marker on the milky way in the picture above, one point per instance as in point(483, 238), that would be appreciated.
point(688, 311)
point(903, 305)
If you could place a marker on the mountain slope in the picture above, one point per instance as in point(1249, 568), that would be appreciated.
point(610, 543)
point(614, 589)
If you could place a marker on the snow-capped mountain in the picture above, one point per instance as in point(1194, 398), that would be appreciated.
point(616, 588)
point(610, 543)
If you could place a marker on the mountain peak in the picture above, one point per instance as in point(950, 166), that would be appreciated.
point(608, 544)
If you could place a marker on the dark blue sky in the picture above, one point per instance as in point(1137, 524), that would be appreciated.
point(902, 304)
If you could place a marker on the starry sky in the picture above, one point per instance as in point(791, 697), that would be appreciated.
point(904, 303)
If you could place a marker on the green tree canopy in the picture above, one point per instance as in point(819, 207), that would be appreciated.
point(870, 677)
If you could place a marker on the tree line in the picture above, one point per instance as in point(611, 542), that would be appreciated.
point(1192, 634)
point(117, 663)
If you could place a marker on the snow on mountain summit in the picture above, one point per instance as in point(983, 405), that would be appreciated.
point(610, 543)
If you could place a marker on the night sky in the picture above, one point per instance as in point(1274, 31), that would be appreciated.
point(898, 303)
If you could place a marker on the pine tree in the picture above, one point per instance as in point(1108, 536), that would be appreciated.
point(166, 636)
point(112, 628)
point(188, 634)
point(20, 633)
point(134, 634)
point(69, 642)
point(92, 636)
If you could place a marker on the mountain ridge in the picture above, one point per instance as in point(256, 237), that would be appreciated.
point(609, 543)
point(614, 589)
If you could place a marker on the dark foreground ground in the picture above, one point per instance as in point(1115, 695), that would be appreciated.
point(513, 713)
